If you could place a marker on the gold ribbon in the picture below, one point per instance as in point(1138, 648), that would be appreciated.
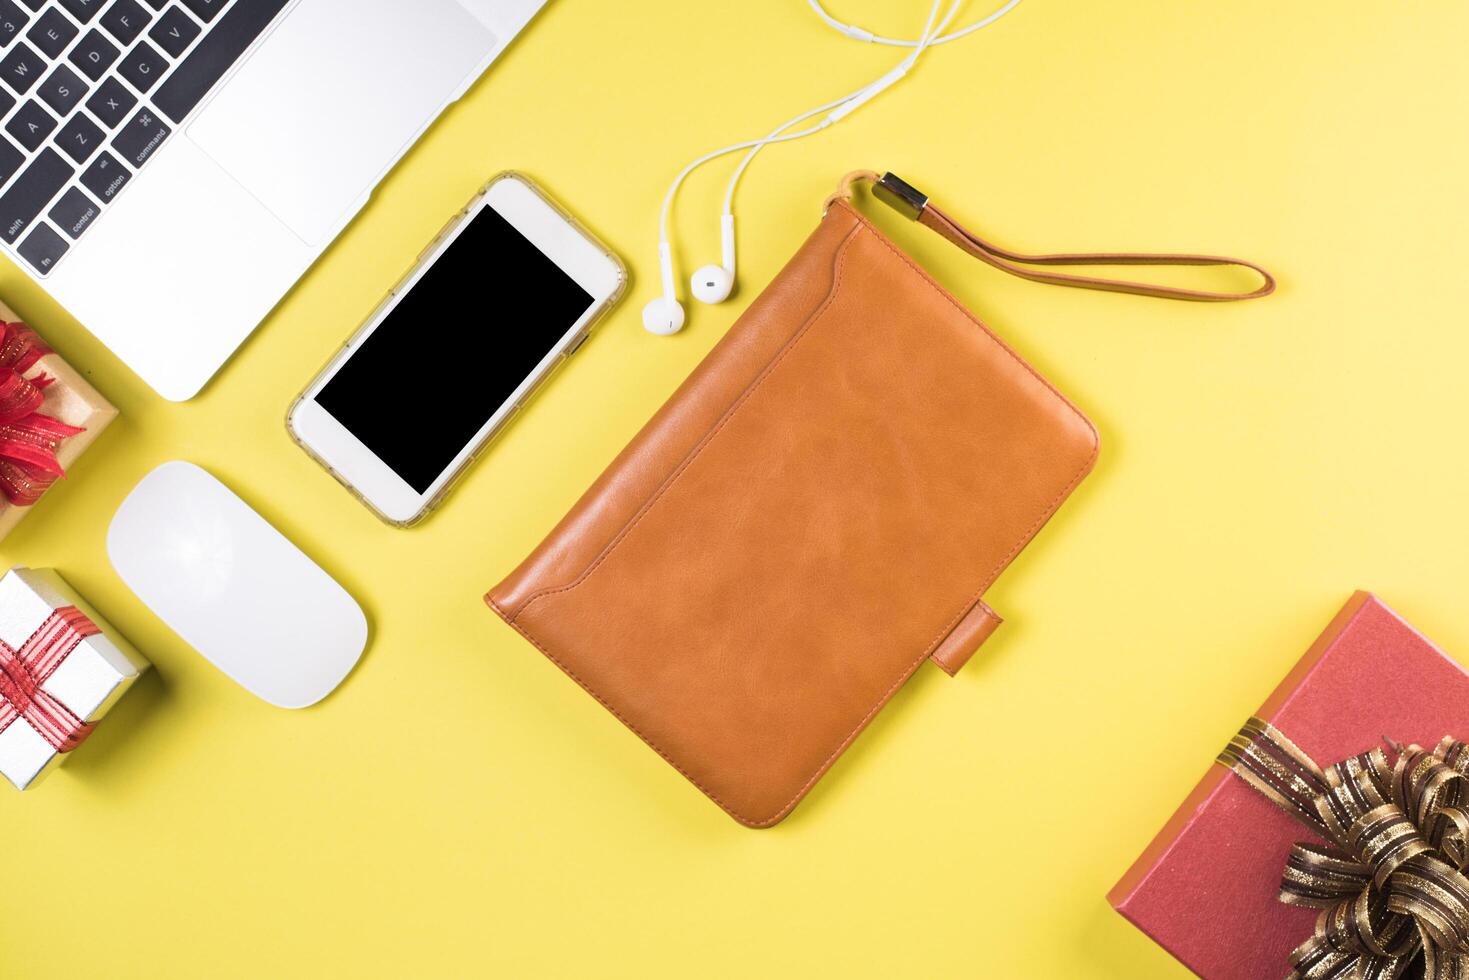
point(1390, 880)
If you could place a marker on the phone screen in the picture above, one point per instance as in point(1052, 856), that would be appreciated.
point(454, 349)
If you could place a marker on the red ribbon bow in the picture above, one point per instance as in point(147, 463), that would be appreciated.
point(23, 671)
point(28, 439)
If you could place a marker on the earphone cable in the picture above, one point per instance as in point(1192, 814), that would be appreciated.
point(778, 136)
point(665, 313)
point(860, 34)
point(929, 32)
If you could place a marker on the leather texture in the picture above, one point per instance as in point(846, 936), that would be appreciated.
point(814, 513)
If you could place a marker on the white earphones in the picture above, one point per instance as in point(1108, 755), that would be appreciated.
point(664, 314)
point(714, 283)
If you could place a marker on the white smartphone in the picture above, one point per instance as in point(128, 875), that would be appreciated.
point(508, 290)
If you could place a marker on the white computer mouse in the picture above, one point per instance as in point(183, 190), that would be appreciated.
point(232, 586)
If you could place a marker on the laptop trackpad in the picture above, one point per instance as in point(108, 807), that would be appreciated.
point(316, 114)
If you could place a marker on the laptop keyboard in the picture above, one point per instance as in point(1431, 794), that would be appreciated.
point(89, 90)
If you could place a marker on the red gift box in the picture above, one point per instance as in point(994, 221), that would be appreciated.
point(1207, 888)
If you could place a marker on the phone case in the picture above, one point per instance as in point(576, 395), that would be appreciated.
point(489, 438)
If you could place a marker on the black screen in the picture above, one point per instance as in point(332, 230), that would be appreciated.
point(454, 348)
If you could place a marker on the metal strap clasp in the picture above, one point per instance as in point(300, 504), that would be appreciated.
point(900, 195)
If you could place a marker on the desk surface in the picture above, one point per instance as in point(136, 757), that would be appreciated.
point(459, 808)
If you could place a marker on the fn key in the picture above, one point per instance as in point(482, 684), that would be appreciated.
point(43, 248)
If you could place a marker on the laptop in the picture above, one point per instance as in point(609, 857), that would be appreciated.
point(170, 168)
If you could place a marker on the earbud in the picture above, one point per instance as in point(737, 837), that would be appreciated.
point(664, 315)
point(714, 283)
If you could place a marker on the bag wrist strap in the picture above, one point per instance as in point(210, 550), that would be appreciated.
point(915, 205)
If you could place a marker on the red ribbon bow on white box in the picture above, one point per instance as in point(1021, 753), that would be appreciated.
point(23, 671)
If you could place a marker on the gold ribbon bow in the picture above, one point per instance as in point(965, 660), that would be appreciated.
point(1390, 880)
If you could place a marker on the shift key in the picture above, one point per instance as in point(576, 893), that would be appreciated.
point(143, 134)
point(31, 192)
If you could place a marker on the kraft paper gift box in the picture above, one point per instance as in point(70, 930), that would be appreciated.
point(62, 668)
point(1208, 887)
point(71, 414)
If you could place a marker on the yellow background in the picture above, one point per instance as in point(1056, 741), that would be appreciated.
point(459, 808)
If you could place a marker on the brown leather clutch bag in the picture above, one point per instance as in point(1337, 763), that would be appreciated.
point(815, 512)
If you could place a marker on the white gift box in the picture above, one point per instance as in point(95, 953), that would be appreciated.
point(87, 682)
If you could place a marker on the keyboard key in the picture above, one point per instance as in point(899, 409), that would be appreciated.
point(22, 68)
point(32, 191)
point(44, 248)
point(156, 4)
point(52, 33)
point(7, 102)
point(105, 177)
point(112, 102)
point(142, 66)
point(80, 138)
point(12, 21)
point(62, 90)
point(30, 125)
point(10, 160)
point(174, 31)
point(34, 4)
point(213, 56)
point(74, 213)
point(83, 10)
point(143, 134)
point(94, 54)
point(205, 10)
point(125, 20)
